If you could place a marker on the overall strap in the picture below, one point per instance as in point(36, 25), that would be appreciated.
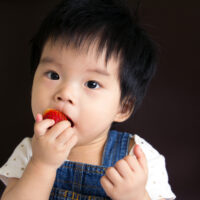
point(116, 147)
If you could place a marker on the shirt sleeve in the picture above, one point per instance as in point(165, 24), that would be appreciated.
point(157, 185)
point(17, 162)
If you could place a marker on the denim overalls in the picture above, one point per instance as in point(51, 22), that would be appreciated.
point(81, 181)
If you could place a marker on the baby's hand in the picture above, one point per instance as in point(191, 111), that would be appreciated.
point(51, 144)
point(127, 179)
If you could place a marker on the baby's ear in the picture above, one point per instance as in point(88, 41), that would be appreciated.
point(125, 110)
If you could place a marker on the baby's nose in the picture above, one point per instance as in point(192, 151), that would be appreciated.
point(59, 98)
point(65, 94)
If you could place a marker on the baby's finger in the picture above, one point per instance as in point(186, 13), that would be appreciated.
point(65, 135)
point(106, 184)
point(141, 157)
point(123, 168)
point(39, 117)
point(41, 127)
point(113, 175)
point(71, 143)
point(133, 163)
point(58, 128)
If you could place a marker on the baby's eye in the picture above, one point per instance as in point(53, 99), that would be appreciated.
point(92, 84)
point(52, 75)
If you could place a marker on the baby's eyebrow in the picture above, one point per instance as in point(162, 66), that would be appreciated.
point(48, 60)
point(99, 71)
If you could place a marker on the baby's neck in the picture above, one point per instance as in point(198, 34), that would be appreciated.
point(89, 154)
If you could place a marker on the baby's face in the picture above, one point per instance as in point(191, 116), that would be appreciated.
point(80, 85)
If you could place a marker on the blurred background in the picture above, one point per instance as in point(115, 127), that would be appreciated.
point(169, 117)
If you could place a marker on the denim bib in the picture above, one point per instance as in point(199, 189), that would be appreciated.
point(79, 181)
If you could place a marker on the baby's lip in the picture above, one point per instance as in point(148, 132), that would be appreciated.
point(70, 120)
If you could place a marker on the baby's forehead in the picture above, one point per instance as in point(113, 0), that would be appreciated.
point(87, 50)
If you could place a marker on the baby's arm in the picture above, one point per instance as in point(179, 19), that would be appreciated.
point(50, 148)
point(36, 183)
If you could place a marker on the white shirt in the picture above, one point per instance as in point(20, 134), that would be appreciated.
point(157, 183)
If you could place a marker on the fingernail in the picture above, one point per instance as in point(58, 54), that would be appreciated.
point(52, 121)
point(38, 118)
point(139, 149)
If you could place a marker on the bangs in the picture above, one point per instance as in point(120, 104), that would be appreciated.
point(111, 29)
point(99, 43)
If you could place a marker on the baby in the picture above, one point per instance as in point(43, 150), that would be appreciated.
point(92, 61)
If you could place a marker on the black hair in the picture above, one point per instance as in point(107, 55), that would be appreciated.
point(117, 30)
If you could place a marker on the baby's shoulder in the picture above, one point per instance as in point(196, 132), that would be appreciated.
point(25, 146)
point(17, 162)
point(22, 152)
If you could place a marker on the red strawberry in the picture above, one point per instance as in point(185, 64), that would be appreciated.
point(56, 115)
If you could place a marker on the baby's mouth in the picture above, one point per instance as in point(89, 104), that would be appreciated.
point(70, 120)
point(57, 116)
